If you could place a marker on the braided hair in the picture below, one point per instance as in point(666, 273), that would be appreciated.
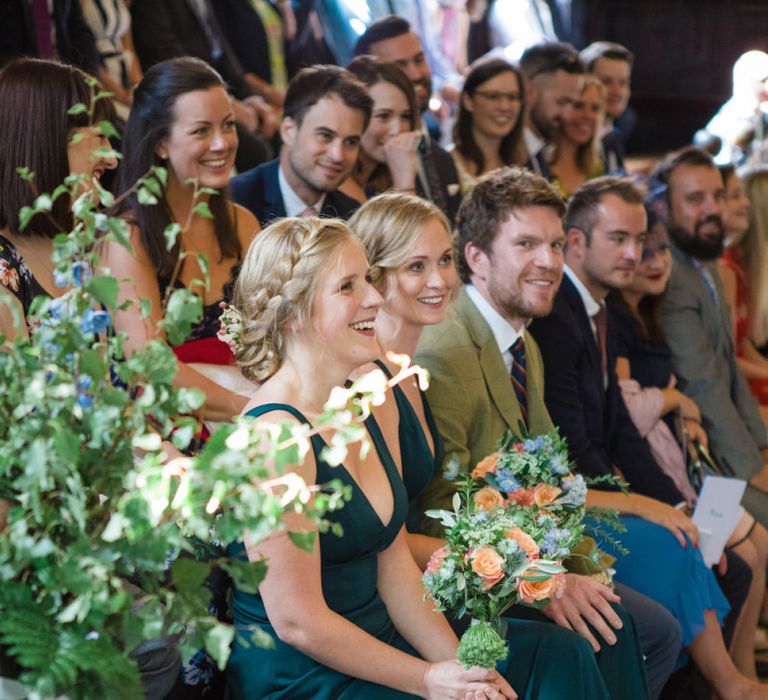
point(276, 287)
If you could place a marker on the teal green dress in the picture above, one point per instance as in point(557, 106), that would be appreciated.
point(545, 661)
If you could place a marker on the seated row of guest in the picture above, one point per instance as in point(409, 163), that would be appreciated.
point(471, 351)
point(180, 147)
point(325, 640)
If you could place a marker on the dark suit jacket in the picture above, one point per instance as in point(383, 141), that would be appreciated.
point(442, 164)
point(595, 420)
point(245, 33)
point(165, 29)
point(74, 40)
point(259, 190)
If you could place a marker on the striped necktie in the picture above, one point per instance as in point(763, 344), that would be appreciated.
point(518, 377)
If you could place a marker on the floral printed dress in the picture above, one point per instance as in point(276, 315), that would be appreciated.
point(16, 277)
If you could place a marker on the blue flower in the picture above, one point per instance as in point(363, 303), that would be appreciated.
point(506, 481)
point(60, 279)
point(533, 445)
point(57, 308)
point(95, 321)
point(558, 464)
point(451, 469)
point(575, 491)
point(85, 401)
point(84, 383)
point(81, 273)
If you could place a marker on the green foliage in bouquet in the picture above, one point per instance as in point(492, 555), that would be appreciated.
point(90, 516)
point(494, 558)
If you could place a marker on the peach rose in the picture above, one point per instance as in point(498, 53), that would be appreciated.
point(487, 563)
point(544, 494)
point(437, 559)
point(487, 498)
point(530, 591)
point(486, 465)
point(525, 542)
point(523, 497)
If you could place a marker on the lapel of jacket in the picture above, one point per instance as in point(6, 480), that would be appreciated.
point(494, 370)
point(579, 314)
point(273, 198)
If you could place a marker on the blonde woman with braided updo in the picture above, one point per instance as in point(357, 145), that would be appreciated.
point(349, 618)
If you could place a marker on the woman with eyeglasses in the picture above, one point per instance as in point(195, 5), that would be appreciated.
point(488, 133)
point(644, 369)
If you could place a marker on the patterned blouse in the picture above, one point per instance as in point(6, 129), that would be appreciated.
point(17, 277)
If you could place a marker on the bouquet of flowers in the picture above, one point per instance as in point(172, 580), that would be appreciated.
point(515, 517)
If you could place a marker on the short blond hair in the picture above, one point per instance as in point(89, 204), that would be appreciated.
point(389, 226)
point(277, 285)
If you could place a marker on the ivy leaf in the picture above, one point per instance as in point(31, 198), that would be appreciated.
point(188, 577)
point(161, 174)
point(145, 196)
point(145, 307)
point(43, 203)
point(108, 129)
point(303, 539)
point(153, 186)
point(104, 288)
point(25, 215)
point(184, 308)
point(218, 641)
point(246, 575)
point(78, 108)
point(202, 209)
point(25, 173)
point(107, 198)
point(92, 364)
point(171, 233)
point(119, 230)
point(184, 432)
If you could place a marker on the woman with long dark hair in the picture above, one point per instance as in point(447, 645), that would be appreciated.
point(182, 120)
point(37, 132)
point(488, 132)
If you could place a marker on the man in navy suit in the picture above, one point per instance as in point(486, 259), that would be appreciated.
point(326, 112)
point(605, 228)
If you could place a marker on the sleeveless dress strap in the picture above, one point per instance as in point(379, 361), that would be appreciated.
point(383, 368)
point(257, 411)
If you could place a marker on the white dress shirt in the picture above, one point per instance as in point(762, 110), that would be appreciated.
point(295, 205)
point(505, 333)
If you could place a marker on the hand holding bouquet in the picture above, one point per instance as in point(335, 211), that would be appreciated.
point(514, 519)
